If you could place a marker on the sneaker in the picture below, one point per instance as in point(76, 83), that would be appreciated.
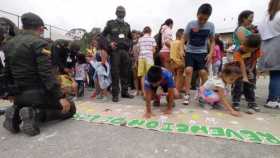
point(29, 121)
point(12, 120)
point(187, 99)
point(255, 107)
point(2, 112)
point(272, 104)
point(250, 111)
point(236, 106)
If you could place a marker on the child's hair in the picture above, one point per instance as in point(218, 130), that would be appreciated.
point(147, 29)
point(232, 68)
point(81, 58)
point(253, 41)
point(154, 74)
point(244, 15)
point(168, 22)
point(102, 43)
point(179, 33)
point(205, 9)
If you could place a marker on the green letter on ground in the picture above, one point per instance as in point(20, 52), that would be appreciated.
point(182, 127)
point(231, 134)
point(252, 136)
point(195, 129)
point(217, 132)
point(269, 138)
point(152, 124)
point(135, 123)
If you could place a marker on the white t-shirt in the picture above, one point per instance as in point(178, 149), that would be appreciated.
point(80, 72)
point(146, 45)
point(270, 28)
point(211, 84)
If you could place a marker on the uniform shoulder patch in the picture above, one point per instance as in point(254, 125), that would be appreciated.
point(46, 51)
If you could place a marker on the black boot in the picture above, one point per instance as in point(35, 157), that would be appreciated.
point(30, 121)
point(127, 95)
point(50, 115)
point(115, 99)
point(12, 120)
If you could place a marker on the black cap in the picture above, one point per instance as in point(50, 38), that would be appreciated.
point(32, 20)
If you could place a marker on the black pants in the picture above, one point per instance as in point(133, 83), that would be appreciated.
point(48, 108)
point(90, 77)
point(248, 89)
point(120, 71)
point(81, 88)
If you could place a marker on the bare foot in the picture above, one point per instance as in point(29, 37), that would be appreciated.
point(168, 112)
point(235, 113)
point(148, 115)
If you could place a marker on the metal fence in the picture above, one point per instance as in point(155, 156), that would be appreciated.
point(52, 32)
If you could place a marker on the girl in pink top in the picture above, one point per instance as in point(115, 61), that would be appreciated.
point(166, 38)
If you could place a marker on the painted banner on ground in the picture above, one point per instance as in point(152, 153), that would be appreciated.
point(218, 132)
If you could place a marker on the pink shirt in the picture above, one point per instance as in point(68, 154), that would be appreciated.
point(217, 54)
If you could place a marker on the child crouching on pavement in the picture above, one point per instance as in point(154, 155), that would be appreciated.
point(247, 56)
point(213, 91)
point(158, 76)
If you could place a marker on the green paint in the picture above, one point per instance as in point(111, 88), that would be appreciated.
point(182, 127)
point(269, 138)
point(152, 124)
point(135, 123)
point(167, 127)
point(118, 121)
point(76, 116)
point(217, 132)
point(233, 134)
point(195, 129)
point(250, 135)
point(93, 118)
point(107, 119)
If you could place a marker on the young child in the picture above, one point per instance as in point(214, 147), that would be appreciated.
point(102, 68)
point(213, 91)
point(68, 85)
point(197, 35)
point(158, 76)
point(81, 69)
point(217, 57)
point(247, 56)
point(147, 47)
point(177, 59)
point(135, 54)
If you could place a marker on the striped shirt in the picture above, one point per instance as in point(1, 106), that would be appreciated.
point(146, 45)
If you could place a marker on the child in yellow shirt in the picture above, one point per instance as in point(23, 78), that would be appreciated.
point(177, 59)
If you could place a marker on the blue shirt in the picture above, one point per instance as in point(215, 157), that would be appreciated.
point(198, 36)
point(167, 81)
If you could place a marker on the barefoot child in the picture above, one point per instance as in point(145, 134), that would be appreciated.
point(213, 91)
point(177, 59)
point(147, 47)
point(158, 76)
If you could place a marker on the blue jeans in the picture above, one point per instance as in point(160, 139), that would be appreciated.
point(274, 86)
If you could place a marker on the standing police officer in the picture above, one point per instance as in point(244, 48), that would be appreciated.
point(119, 35)
point(38, 97)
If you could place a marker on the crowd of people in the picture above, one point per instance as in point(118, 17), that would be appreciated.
point(196, 58)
